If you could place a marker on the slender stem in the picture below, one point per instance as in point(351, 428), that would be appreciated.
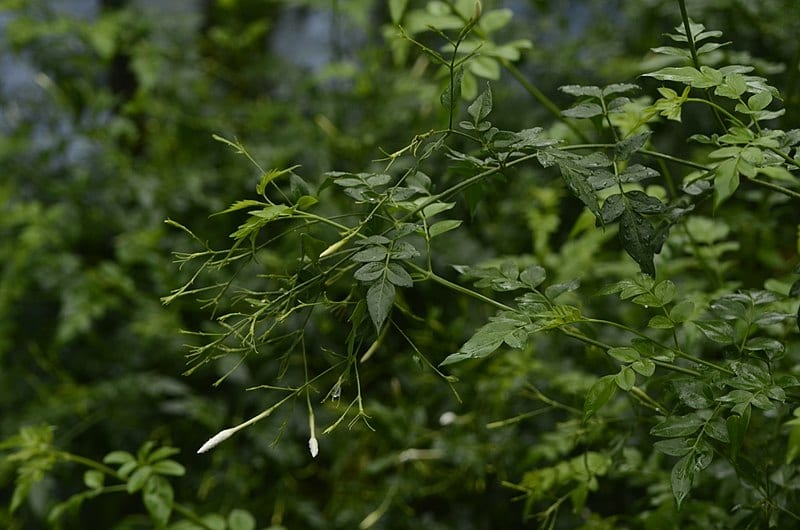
point(689, 38)
point(674, 367)
point(718, 108)
point(776, 187)
point(539, 96)
point(189, 514)
point(680, 353)
point(466, 183)
point(69, 457)
point(682, 161)
point(429, 275)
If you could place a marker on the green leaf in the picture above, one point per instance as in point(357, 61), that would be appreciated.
point(793, 445)
point(737, 428)
point(759, 101)
point(675, 446)
point(624, 354)
point(396, 274)
point(599, 394)
point(637, 236)
point(451, 96)
point(578, 91)
point(369, 254)
point(139, 478)
point(578, 184)
point(396, 10)
point(495, 19)
point(271, 175)
point(481, 107)
point(118, 457)
point(403, 250)
point(583, 110)
point(443, 226)
point(681, 478)
point(485, 66)
point(94, 479)
point(239, 205)
point(693, 393)
point(557, 289)
point(370, 272)
point(646, 367)
point(487, 339)
point(733, 86)
point(660, 322)
point(533, 276)
point(643, 203)
point(612, 208)
point(380, 298)
point(681, 311)
point(675, 426)
point(619, 88)
point(158, 498)
point(637, 173)
point(716, 330)
point(726, 180)
point(169, 467)
point(625, 148)
point(625, 378)
point(241, 520)
point(162, 453)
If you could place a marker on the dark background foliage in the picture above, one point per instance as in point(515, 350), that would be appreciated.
point(108, 113)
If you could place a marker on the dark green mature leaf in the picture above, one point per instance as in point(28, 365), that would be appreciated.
point(716, 330)
point(675, 446)
point(637, 236)
point(370, 271)
point(625, 148)
point(675, 426)
point(375, 253)
point(737, 428)
point(643, 203)
point(380, 298)
point(693, 393)
point(612, 208)
point(637, 173)
point(578, 184)
point(396, 274)
point(681, 478)
point(599, 394)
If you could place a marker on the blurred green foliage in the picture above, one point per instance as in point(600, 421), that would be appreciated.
point(108, 132)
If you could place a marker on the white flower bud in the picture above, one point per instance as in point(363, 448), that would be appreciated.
point(221, 436)
point(313, 447)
